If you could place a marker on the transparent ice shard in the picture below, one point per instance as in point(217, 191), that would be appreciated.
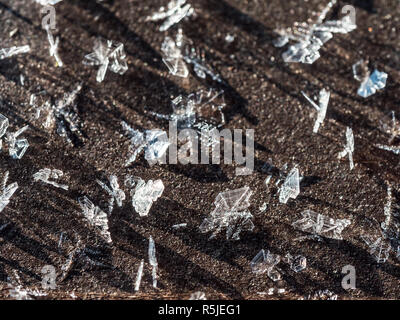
point(379, 248)
point(310, 37)
point(9, 52)
point(349, 147)
point(3, 125)
point(53, 46)
point(393, 128)
point(6, 191)
point(297, 263)
point(370, 85)
point(291, 186)
point(321, 108)
point(107, 54)
point(173, 57)
point(179, 226)
point(197, 58)
point(139, 276)
point(266, 262)
point(230, 213)
point(387, 211)
point(46, 174)
point(96, 217)
point(198, 295)
point(318, 224)
point(395, 150)
point(17, 147)
point(114, 191)
point(173, 14)
point(144, 194)
point(153, 260)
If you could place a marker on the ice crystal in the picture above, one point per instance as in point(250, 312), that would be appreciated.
point(153, 260)
point(297, 263)
point(310, 38)
point(17, 147)
point(108, 55)
point(379, 248)
point(144, 194)
point(370, 83)
point(179, 226)
point(230, 213)
point(96, 217)
point(322, 295)
point(114, 192)
point(290, 187)
point(393, 129)
point(9, 52)
point(198, 295)
point(173, 57)
point(53, 46)
point(173, 14)
point(266, 262)
point(154, 142)
point(48, 2)
point(139, 276)
point(321, 108)
point(349, 147)
point(18, 292)
point(46, 174)
point(6, 191)
point(318, 224)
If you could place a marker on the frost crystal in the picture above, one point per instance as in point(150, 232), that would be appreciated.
point(174, 13)
point(310, 38)
point(172, 56)
point(395, 150)
point(321, 108)
point(46, 174)
point(266, 262)
point(17, 147)
point(349, 147)
point(114, 191)
point(393, 129)
point(154, 142)
point(18, 292)
point(230, 213)
point(9, 52)
point(153, 260)
point(6, 191)
point(48, 2)
point(198, 295)
point(96, 217)
point(108, 55)
point(290, 187)
point(180, 225)
point(297, 263)
point(370, 83)
point(139, 276)
point(53, 46)
point(144, 194)
point(379, 248)
point(318, 224)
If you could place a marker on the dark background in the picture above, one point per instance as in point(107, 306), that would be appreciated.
point(261, 92)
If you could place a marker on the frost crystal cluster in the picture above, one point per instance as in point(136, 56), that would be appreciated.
point(114, 191)
point(310, 38)
point(173, 14)
point(96, 217)
point(318, 224)
point(46, 174)
point(144, 193)
point(370, 83)
point(349, 147)
point(321, 108)
point(155, 143)
point(9, 52)
point(16, 147)
point(296, 263)
point(6, 191)
point(108, 55)
point(266, 262)
point(379, 248)
point(230, 213)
